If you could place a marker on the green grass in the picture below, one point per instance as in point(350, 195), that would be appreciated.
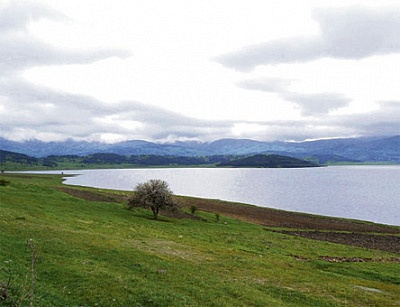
point(100, 254)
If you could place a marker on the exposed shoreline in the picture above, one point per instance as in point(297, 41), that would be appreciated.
point(338, 230)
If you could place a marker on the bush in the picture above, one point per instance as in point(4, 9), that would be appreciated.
point(4, 182)
point(193, 209)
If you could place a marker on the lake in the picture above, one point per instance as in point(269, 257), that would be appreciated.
point(370, 193)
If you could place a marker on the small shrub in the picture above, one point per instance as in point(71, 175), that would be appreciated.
point(4, 182)
point(217, 217)
point(193, 209)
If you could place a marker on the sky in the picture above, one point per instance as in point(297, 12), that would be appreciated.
point(179, 70)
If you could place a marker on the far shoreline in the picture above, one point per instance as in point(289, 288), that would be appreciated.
point(5, 169)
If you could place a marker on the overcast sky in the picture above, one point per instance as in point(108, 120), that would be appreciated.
point(157, 70)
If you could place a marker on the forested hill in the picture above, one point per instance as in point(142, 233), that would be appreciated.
point(270, 161)
point(11, 161)
point(14, 161)
point(16, 157)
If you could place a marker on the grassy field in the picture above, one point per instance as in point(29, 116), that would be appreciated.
point(94, 252)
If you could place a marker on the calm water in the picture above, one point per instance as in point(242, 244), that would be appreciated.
point(369, 193)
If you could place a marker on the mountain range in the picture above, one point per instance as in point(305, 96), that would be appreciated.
point(371, 149)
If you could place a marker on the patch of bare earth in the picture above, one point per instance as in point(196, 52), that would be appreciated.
point(355, 233)
point(357, 259)
point(389, 243)
point(93, 196)
point(349, 232)
point(278, 218)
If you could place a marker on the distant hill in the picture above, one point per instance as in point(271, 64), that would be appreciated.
point(268, 161)
point(371, 149)
point(15, 161)
point(359, 149)
point(16, 158)
point(152, 160)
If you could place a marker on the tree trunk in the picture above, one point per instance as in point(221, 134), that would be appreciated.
point(155, 212)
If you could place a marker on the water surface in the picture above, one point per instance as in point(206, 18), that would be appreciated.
point(369, 193)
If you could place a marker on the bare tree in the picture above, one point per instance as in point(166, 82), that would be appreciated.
point(154, 194)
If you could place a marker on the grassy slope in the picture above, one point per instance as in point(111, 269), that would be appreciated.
point(99, 253)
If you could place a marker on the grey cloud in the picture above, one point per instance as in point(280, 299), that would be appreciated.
point(350, 33)
point(357, 33)
point(41, 113)
point(29, 111)
point(19, 50)
point(325, 125)
point(18, 53)
point(299, 130)
point(316, 104)
point(384, 121)
point(274, 52)
point(30, 107)
point(149, 113)
point(15, 15)
point(381, 122)
point(272, 85)
point(160, 123)
point(310, 104)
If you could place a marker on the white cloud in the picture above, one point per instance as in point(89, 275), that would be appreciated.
point(113, 71)
point(350, 33)
point(15, 15)
point(273, 85)
point(316, 104)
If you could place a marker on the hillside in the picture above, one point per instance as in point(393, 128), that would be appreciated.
point(91, 251)
point(14, 161)
point(10, 161)
point(372, 149)
point(268, 161)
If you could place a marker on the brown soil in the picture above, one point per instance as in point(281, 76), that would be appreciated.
point(357, 259)
point(93, 196)
point(350, 232)
point(389, 243)
point(279, 218)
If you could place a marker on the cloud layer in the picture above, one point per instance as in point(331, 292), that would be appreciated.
point(29, 111)
point(352, 33)
point(19, 50)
